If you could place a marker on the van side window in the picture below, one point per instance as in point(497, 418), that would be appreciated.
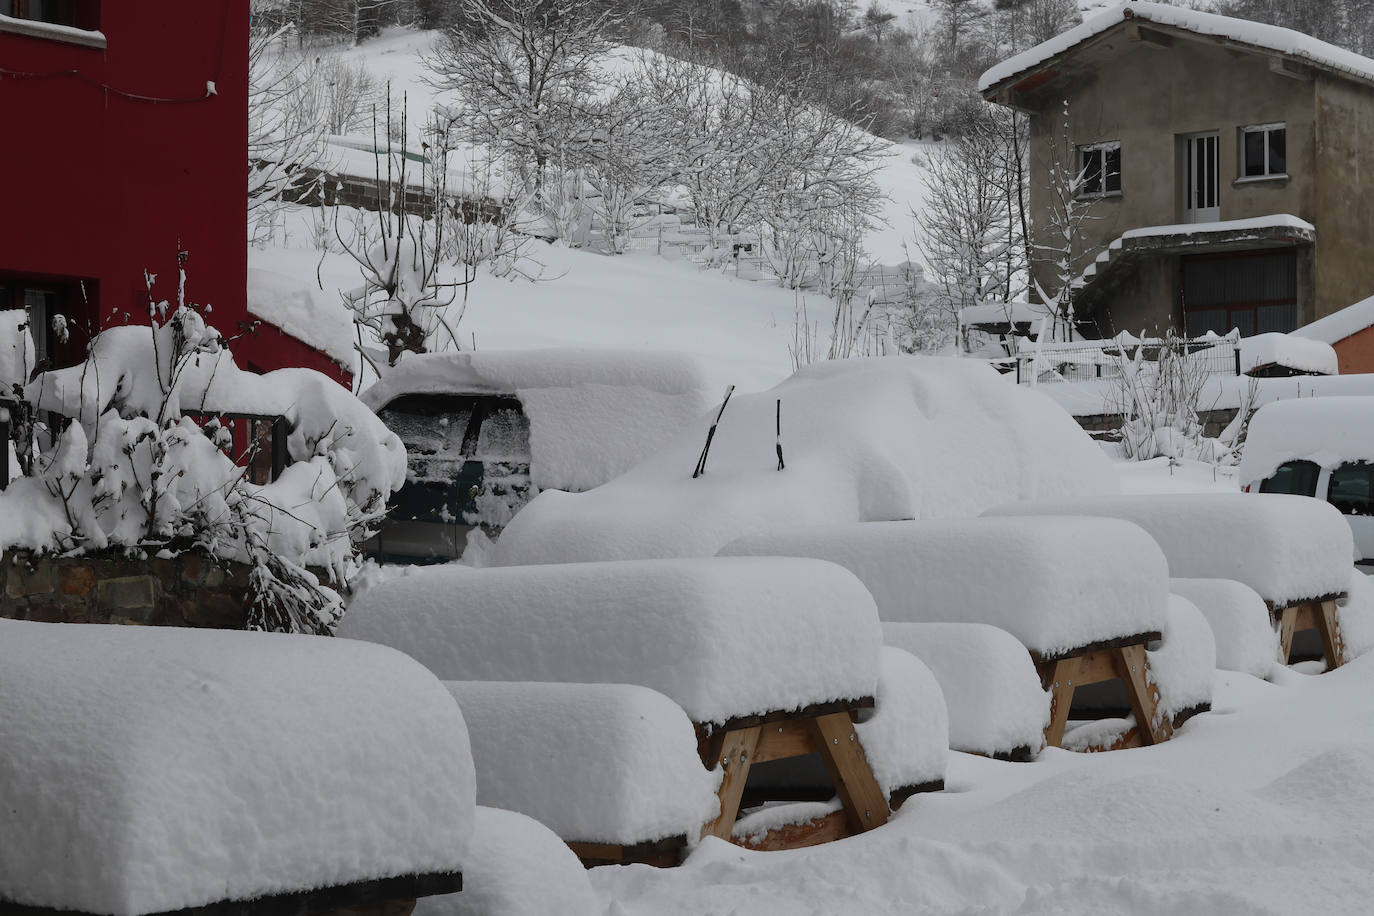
point(1296, 477)
point(1349, 489)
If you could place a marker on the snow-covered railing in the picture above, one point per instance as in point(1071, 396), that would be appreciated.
point(1079, 360)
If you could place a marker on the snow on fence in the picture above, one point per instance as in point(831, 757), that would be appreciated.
point(1076, 361)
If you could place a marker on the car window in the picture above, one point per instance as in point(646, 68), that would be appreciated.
point(505, 433)
point(1296, 477)
point(1349, 489)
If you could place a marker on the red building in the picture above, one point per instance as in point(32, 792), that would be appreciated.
point(126, 143)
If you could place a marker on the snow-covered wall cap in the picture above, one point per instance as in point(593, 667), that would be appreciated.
point(1338, 326)
point(1055, 584)
point(593, 414)
point(1325, 431)
point(720, 637)
point(153, 769)
point(1263, 37)
point(1271, 221)
point(1287, 548)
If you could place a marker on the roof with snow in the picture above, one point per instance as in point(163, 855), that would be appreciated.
point(1338, 326)
point(1265, 39)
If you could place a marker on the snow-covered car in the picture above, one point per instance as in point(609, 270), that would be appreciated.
point(486, 431)
point(1320, 447)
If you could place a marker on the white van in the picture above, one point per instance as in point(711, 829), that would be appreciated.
point(1321, 447)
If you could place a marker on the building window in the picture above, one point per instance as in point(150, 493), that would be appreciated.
point(1264, 151)
point(80, 14)
point(1099, 168)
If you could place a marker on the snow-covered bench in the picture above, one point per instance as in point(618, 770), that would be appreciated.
point(148, 770)
point(1296, 552)
point(1084, 596)
point(769, 658)
point(991, 688)
point(1240, 622)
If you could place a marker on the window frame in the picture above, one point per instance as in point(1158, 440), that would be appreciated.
point(1263, 130)
point(1100, 149)
point(79, 25)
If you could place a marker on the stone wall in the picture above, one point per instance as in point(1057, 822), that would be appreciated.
point(190, 590)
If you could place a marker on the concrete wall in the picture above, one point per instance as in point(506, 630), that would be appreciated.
point(1344, 194)
point(1149, 98)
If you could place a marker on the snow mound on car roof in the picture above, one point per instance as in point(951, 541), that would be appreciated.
point(593, 413)
point(863, 440)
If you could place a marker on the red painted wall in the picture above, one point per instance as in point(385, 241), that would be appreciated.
point(112, 160)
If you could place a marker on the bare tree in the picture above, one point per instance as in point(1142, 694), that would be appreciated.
point(285, 134)
point(970, 231)
point(523, 74)
point(1058, 246)
point(403, 297)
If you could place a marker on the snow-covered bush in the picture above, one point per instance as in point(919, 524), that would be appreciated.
point(132, 473)
point(1158, 402)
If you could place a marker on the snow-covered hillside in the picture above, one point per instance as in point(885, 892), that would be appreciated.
point(581, 298)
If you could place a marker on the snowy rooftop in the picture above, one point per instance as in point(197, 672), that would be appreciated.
point(1265, 38)
point(1339, 325)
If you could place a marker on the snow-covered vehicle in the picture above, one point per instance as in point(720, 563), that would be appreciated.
point(1321, 447)
point(486, 431)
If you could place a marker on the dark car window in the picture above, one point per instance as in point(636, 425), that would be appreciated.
point(1296, 477)
point(505, 434)
point(1349, 489)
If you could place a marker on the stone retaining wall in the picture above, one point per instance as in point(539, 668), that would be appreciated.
point(190, 590)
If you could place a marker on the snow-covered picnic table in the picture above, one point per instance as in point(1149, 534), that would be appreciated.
point(1295, 551)
point(148, 769)
point(1086, 597)
point(713, 665)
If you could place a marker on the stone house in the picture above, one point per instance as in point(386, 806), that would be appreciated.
point(1228, 168)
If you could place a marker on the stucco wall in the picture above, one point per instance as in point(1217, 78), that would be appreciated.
point(1148, 98)
point(1344, 194)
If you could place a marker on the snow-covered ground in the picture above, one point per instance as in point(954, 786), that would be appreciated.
point(1263, 806)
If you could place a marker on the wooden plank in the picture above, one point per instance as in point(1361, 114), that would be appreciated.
point(833, 826)
point(1058, 678)
point(736, 756)
point(659, 853)
point(1328, 623)
point(1096, 667)
point(1287, 618)
point(784, 739)
point(1305, 617)
point(382, 896)
point(1137, 638)
point(1134, 670)
point(850, 770)
point(709, 734)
